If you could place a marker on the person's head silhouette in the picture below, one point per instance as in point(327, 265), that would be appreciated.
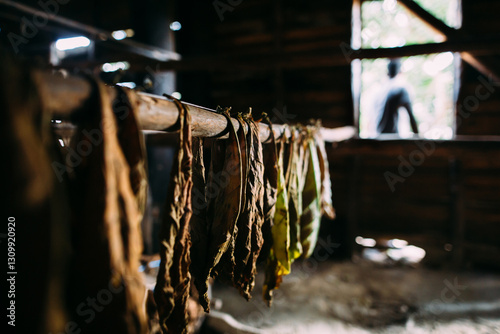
point(394, 67)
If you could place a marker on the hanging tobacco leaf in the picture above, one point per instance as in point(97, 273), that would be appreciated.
point(224, 195)
point(173, 282)
point(132, 141)
point(106, 225)
point(311, 200)
point(294, 191)
point(199, 222)
point(270, 158)
point(36, 204)
point(224, 270)
point(253, 214)
point(326, 184)
point(278, 263)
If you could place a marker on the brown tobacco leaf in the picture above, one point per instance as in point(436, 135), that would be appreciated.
point(132, 141)
point(254, 209)
point(270, 157)
point(214, 182)
point(173, 282)
point(225, 193)
point(106, 221)
point(326, 184)
point(199, 222)
point(240, 239)
point(36, 200)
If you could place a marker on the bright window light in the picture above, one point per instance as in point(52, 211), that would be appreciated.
point(130, 84)
point(175, 26)
point(112, 67)
point(119, 34)
point(64, 44)
point(177, 95)
point(366, 242)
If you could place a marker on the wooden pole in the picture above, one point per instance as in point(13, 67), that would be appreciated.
point(62, 95)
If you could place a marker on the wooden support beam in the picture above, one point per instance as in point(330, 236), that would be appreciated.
point(451, 34)
point(430, 20)
point(61, 96)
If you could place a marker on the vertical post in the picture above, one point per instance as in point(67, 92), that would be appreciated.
point(356, 63)
point(152, 26)
point(457, 211)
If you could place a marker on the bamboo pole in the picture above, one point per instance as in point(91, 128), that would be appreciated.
point(63, 95)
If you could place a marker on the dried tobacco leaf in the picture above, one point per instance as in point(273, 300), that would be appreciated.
point(224, 194)
point(224, 270)
point(253, 214)
point(326, 184)
point(270, 158)
point(199, 222)
point(294, 190)
point(132, 142)
point(278, 263)
point(311, 200)
point(173, 282)
point(103, 206)
point(36, 201)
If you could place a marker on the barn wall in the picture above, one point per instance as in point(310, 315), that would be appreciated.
point(274, 31)
point(441, 193)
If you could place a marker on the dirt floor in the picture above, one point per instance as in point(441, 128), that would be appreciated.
point(363, 297)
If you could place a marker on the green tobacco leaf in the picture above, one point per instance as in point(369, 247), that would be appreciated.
point(294, 196)
point(311, 201)
point(278, 263)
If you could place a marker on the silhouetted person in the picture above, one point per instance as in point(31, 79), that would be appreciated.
point(396, 96)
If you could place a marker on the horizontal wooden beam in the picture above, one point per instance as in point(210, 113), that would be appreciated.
point(475, 46)
point(269, 61)
point(62, 95)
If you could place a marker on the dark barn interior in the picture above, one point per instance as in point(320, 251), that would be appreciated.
point(105, 230)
